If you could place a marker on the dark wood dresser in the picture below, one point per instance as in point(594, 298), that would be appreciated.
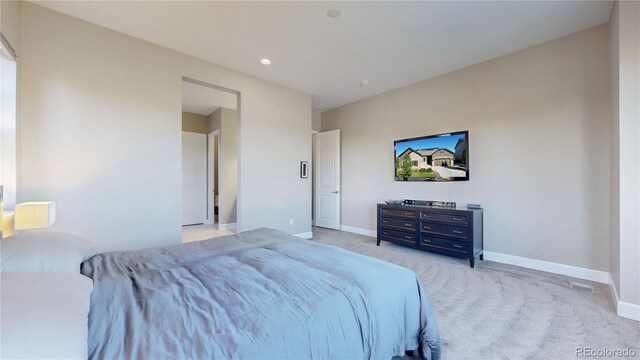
point(449, 231)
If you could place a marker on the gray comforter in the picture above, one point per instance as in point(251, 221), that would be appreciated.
point(261, 294)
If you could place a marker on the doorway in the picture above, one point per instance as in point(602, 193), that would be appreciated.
point(327, 194)
point(210, 139)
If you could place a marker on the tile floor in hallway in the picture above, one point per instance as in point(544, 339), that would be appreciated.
point(202, 232)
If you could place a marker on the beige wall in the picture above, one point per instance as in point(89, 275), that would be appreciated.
point(549, 101)
point(101, 134)
point(226, 120)
point(614, 60)
point(195, 123)
point(625, 155)
point(10, 23)
point(316, 121)
point(10, 26)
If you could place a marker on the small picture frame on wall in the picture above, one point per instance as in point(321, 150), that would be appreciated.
point(304, 169)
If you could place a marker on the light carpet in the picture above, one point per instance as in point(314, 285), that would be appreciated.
point(498, 311)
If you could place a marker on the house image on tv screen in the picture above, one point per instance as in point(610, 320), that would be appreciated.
point(425, 158)
point(432, 158)
point(460, 155)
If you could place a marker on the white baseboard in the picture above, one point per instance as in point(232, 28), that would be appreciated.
point(555, 268)
point(623, 308)
point(228, 226)
point(359, 231)
point(614, 292)
point(305, 235)
point(629, 310)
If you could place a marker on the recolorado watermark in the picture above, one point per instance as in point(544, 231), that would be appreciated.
point(604, 352)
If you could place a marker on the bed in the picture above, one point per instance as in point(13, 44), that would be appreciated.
point(260, 294)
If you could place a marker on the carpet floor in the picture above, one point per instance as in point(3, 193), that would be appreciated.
point(498, 311)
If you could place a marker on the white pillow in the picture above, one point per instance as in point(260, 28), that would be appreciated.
point(44, 250)
point(44, 315)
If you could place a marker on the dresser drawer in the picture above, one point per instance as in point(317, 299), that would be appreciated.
point(429, 241)
point(399, 235)
point(397, 223)
point(448, 230)
point(398, 213)
point(448, 218)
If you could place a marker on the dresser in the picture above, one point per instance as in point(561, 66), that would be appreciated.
point(449, 231)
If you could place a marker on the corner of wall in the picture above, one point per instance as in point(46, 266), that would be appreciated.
point(316, 121)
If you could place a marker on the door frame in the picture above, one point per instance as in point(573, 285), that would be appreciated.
point(338, 164)
point(210, 176)
point(312, 175)
point(239, 191)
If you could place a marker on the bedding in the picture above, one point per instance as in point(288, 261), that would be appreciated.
point(44, 315)
point(260, 294)
point(44, 250)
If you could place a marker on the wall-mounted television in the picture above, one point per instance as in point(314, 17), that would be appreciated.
point(441, 157)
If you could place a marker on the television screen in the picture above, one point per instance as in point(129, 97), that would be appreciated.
point(442, 157)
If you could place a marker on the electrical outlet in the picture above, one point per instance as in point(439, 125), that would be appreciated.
point(291, 221)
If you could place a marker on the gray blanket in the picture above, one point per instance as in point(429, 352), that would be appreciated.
point(260, 294)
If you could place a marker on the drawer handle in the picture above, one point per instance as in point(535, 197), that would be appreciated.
point(408, 213)
point(457, 218)
point(457, 246)
point(457, 231)
point(426, 216)
point(408, 237)
point(427, 241)
point(385, 233)
point(408, 224)
point(385, 221)
point(427, 227)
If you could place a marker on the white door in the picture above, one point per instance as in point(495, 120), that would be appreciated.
point(328, 179)
point(194, 178)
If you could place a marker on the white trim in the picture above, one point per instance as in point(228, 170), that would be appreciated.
point(359, 231)
point(305, 235)
point(623, 308)
point(210, 163)
point(555, 268)
point(229, 226)
point(614, 292)
point(629, 310)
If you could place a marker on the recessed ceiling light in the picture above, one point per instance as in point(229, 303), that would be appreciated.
point(333, 12)
point(265, 61)
point(364, 83)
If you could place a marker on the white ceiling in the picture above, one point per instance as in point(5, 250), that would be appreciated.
point(391, 44)
point(204, 100)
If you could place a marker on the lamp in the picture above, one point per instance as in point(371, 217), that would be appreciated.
point(35, 215)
